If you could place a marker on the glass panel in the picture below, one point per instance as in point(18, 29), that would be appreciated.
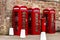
point(36, 16)
point(52, 21)
point(16, 20)
point(23, 19)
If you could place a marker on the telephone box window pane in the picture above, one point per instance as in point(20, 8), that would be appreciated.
point(36, 17)
point(16, 20)
point(52, 23)
point(23, 19)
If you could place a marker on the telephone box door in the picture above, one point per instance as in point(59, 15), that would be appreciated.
point(35, 18)
point(23, 19)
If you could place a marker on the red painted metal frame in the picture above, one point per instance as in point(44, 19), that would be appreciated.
point(43, 23)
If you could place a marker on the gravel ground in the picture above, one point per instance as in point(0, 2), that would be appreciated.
point(55, 36)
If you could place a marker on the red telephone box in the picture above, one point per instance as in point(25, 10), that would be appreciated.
point(15, 13)
point(50, 20)
point(20, 19)
point(23, 19)
point(29, 20)
point(35, 18)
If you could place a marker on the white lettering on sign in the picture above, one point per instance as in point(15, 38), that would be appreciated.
point(23, 8)
point(52, 12)
point(45, 11)
point(36, 10)
point(16, 8)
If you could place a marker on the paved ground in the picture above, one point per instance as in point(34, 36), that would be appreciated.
point(55, 36)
